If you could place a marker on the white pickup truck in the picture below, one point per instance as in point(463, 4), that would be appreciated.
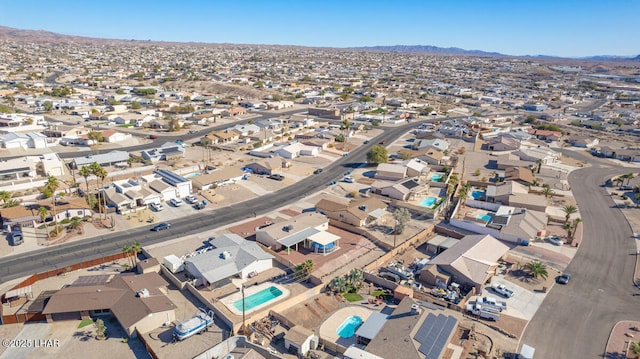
point(492, 303)
point(476, 308)
point(501, 290)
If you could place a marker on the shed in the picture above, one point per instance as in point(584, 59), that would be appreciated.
point(401, 291)
point(173, 263)
point(300, 340)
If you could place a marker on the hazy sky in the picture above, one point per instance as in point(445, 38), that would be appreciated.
point(514, 27)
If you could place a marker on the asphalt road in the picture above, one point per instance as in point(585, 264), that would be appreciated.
point(575, 320)
point(61, 256)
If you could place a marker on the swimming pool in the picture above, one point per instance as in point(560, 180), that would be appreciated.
point(484, 217)
point(348, 328)
point(428, 201)
point(258, 298)
point(189, 175)
point(477, 195)
point(436, 177)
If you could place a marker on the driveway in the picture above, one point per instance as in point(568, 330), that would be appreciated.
point(524, 302)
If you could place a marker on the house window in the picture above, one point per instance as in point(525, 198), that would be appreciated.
point(80, 213)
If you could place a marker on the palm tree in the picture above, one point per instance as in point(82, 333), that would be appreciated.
point(568, 211)
point(338, 285)
point(11, 203)
point(43, 213)
point(345, 126)
point(635, 348)
point(619, 180)
point(101, 173)
point(629, 176)
point(304, 269)
point(127, 251)
point(135, 249)
point(5, 196)
point(52, 185)
point(536, 269)
point(568, 226)
point(547, 191)
point(355, 278)
point(453, 179)
point(539, 162)
point(464, 192)
point(85, 171)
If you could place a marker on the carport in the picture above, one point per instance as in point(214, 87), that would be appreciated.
point(439, 244)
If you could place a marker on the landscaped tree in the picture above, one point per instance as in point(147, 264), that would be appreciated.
point(568, 226)
point(568, 211)
point(629, 176)
point(127, 251)
point(85, 171)
point(464, 192)
point(95, 136)
point(635, 348)
point(338, 285)
point(377, 155)
point(345, 127)
point(52, 185)
point(43, 213)
point(547, 191)
point(304, 269)
point(135, 249)
point(48, 106)
point(11, 203)
point(539, 163)
point(402, 217)
point(536, 269)
point(355, 278)
point(100, 173)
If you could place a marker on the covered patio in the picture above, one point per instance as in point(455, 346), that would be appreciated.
point(316, 241)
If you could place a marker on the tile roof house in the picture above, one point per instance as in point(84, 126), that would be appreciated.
point(232, 256)
point(521, 175)
point(66, 208)
point(403, 190)
point(267, 166)
point(138, 302)
point(356, 212)
point(391, 171)
point(473, 260)
point(516, 195)
point(309, 228)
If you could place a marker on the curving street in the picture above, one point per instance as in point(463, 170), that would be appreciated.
point(575, 320)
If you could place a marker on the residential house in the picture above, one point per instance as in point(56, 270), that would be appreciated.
point(403, 190)
point(137, 302)
point(267, 166)
point(103, 159)
point(245, 130)
point(234, 111)
point(583, 141)
point(503, 143)
point(416, 168)
point(522, 175)
point(535, 154)
point(435, 143)
point(413, 330)
point(431, 156)
point(391, 171)
point(516, 225)
point(514, 194)
point(166, 191)
point(24, 140)
point(66, 131)
point(473, 260)
point(122, 203)
point(217, 178)
point(168, 151)
point(546, 135)
point(308, 229)
point(224, 136)
point(231, 257)
point(356, 212)
point(296, 150)
point(181, 184)
point(264, 136)
point(112, 136)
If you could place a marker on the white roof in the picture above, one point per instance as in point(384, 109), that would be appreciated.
point(323, 238)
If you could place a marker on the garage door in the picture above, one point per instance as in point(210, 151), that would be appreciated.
point(66, 316)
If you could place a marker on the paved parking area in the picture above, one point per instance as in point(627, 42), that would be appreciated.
point(524, 302)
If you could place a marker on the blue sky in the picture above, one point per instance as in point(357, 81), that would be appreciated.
point(514, 27)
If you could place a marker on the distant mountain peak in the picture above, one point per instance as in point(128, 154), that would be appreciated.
point(428, 49)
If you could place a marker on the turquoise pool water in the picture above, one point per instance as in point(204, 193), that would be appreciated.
point(258, 298)
point(348, 328)
point(191, 175)
point(477, 195)
point(436, 177)
point(484, 217)
point(428, 202)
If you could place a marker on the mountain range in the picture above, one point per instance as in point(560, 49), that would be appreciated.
point(42, 36)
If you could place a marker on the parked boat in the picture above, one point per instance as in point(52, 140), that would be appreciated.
point(194, 325)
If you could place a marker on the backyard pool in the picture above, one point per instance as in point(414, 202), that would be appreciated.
point(477, 195)
point(484, 217)
point(258, 298)
point(348, 328)
point(189, 175)
point(436, 177)
point(428, 201)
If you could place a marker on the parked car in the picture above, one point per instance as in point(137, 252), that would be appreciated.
point(176, 202)
point(156, 206)
point(317, 171)
point(348, 179)
point(200, 205)
point(191, 199)
point(564, 278)
point(366, 142)
point(501, 290)
point(16, 237)
point(276, 177)
point(161, 226)
point(382, 142)
point(153, 137)
point(555, 240)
